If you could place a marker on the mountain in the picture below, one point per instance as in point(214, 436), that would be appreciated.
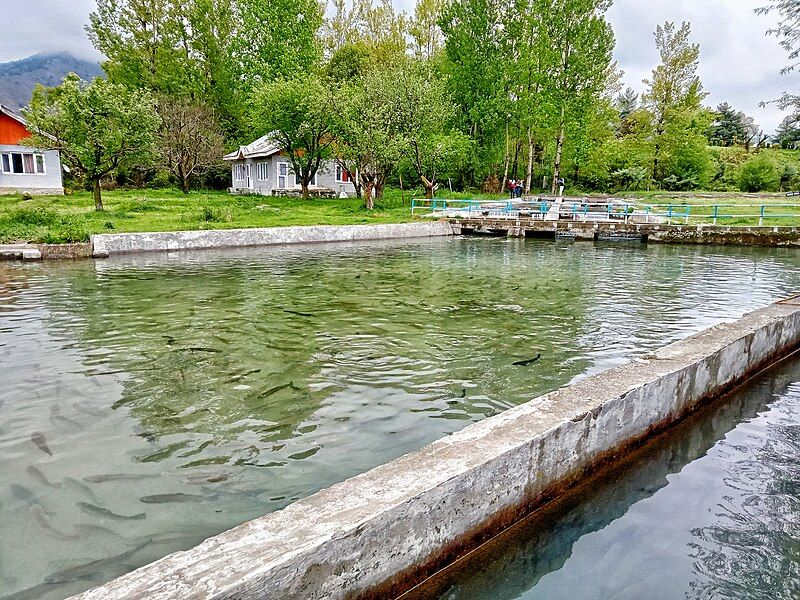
point(18, 77)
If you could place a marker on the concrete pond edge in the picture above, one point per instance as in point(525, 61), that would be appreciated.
point(107, 244)
point(380, 533)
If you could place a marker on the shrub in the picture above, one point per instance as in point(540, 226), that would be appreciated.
point(759, 174)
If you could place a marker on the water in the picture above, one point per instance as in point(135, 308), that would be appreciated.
point(709, 510)
point(215, 387)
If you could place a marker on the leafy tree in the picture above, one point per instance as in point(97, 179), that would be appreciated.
point(297, 115)
point(424, 28)
point(276, 39)
point(759, 173)
point(787, 135)
point(98, 127)
point(788, 29)
point(674, 93)
point(190, 139)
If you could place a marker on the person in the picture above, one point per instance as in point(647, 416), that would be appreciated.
point(560, 187)
point(512, 185)
point(518, 190)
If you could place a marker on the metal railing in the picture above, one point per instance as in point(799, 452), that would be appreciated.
point(611, 210)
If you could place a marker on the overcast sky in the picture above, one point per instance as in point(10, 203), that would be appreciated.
point(738, 64)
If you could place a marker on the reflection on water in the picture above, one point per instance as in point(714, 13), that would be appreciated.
point(709, 510)
point(150, 402)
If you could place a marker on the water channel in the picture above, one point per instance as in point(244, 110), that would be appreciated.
point(149, 402)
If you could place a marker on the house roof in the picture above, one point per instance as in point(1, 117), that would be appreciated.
point(261, 148)
point(10, 113)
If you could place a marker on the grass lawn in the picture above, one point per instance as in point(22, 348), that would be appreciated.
point(60, 219)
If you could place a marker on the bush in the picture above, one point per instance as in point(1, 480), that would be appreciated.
point(759, 174)
point(33, 216)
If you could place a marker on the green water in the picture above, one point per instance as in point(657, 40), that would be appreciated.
point(217, 386)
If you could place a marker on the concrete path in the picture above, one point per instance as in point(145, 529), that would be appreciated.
point(19, 252)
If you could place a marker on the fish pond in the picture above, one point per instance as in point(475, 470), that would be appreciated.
point(149, 402)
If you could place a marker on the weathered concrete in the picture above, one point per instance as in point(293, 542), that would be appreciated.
point(19, 252)
point(106, 244)
point(65, 251)
point(651, 232)
point(377, 534)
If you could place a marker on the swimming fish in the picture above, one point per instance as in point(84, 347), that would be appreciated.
point(529, 362)
point(37, 437)
point(104, 512)
point(118, 477)
point(297, 312)
point(82, 488)
point(45, 522)
point(179, 497)
point(88, 569)
point(56, 417)
point(20, 492)
point(40, 477)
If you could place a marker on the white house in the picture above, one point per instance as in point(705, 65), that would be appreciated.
point(260, 168)
point(24, 169)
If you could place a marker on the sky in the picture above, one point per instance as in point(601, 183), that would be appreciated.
point(738, 64)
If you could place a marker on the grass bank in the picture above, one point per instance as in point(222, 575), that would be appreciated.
point(61, 219)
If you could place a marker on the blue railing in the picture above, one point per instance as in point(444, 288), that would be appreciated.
point(610, 210)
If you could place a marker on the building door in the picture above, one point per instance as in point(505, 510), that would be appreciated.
point(283, 175)
point(247, 175)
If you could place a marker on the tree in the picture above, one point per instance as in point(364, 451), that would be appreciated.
point(626, 102)
point(422, 117)
point(424, 28)
point(190, 138)
point(788, 29)
point(297, 116)
point(787, 135)
point(674, 91)
point(729, 126)
point(98, 127)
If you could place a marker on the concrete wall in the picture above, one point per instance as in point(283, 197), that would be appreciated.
point(376, 534)
point(326, 177)
point(48, 182)
point(106, 244)
point(785, 236)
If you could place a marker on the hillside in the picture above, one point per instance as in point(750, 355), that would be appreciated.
point(18, 78)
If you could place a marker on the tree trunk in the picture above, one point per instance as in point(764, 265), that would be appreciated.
point(506, 162)
point(559, 151)
point(304, 187)
point(529, 171)
point(98, 200)
point(428, 187)
point(184, 180)
point(369, 201)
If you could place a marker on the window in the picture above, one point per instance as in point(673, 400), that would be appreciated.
point(342, 174)
point(312, 182)
point(23, 162)
point(261, 173)
point(239, 172)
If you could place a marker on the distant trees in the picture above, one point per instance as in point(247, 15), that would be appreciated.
point(98, 127)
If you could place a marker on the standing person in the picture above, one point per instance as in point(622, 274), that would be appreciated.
point(512, 186)
point(518, 190)
point(560, 187)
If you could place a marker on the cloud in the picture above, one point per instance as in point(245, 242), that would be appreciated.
point(739, 63)
point(35, 26)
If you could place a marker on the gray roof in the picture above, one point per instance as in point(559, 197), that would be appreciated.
point(263, 147)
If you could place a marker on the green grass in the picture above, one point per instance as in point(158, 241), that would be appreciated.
point(60, 219)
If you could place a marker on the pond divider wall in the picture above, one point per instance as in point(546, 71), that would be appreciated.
point(380, 533)
point(106, 244)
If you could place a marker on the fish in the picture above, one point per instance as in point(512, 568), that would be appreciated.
point(463, 393)
point(56, 417)
point(104, 512)
point(81, 487)
point(529, 362)
point(88, 409)
point(278, 388)
point(87, 570)
point(32, 593)
point(202, 349)
point(20, 492)
point(45, 522)
point(37, 437)
point(103, 478)
point(169, 338)
point(179, 497)
point(40, 477)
